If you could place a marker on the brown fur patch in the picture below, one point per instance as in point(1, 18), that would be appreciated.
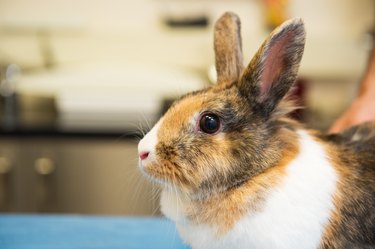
point(179, 117)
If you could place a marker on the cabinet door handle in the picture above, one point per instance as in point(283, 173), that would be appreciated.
point(44, 166)
point(5, 165)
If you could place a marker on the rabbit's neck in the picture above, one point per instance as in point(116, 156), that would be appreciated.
point(208, 206)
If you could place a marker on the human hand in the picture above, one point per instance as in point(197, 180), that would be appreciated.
point(360, 111)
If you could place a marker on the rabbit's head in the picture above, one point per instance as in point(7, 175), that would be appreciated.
point(215, 139)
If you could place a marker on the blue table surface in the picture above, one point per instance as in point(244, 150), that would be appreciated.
point(86, 232)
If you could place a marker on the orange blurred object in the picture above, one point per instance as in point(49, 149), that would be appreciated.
point(275, 12)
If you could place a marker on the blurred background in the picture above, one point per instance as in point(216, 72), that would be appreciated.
point(79, 79)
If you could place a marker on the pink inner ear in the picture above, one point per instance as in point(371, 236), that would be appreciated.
point(274, 63)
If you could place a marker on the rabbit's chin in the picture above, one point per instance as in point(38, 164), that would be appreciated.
point(147, 171)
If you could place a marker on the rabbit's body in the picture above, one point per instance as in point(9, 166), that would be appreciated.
point(297, 208)
point(237, 173)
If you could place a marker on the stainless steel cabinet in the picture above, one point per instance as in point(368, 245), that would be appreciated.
point(75, 175)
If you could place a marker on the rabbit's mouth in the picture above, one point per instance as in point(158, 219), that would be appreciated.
point(164, 173)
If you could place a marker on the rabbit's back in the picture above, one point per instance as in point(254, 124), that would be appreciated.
point(353, 221)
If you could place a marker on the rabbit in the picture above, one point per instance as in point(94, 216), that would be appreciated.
point(237, 172)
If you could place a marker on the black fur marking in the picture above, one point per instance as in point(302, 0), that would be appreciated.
point(168, 151)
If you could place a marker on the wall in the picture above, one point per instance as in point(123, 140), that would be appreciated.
point(116, 30)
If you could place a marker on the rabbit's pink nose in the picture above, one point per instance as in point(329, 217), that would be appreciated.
point(143, 155)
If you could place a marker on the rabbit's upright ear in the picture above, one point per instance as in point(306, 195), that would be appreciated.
point(228, 49)
point(273, 70)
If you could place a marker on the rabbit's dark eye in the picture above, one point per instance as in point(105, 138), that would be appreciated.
point(209, 123)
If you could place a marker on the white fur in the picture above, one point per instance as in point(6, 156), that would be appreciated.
point(148, 143)
point(294, 216)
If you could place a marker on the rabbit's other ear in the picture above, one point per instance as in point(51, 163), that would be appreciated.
point(273, 70)
point(228, 48)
